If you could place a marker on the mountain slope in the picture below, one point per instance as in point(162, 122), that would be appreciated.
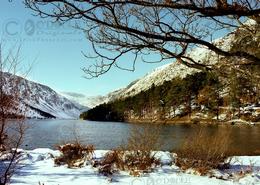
point(174, 92)
point(170, 71)
point(41, 101)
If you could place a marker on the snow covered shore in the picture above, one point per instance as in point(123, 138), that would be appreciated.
point(38, 167)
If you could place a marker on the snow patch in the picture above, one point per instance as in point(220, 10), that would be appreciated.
point(39, 167)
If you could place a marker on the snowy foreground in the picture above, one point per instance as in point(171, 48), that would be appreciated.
point(38, 167)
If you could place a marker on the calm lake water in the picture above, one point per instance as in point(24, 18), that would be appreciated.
point(108, 135)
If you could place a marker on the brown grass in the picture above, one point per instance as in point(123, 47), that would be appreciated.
point(74, 154)
point(203, 151)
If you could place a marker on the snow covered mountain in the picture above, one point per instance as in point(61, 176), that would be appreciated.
point(88, 101)
point(170, 71)
point(164, 73)
point(157, 77)
point(41, 101)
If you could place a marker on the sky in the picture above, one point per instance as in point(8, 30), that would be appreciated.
point(54, 53)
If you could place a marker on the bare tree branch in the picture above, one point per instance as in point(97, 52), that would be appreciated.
point(11, 132)
point(167, 28)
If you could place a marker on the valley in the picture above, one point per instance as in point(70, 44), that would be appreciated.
point(130, 92)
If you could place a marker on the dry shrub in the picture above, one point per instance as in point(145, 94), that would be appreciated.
point(111, 162)
point(204, 151)
point(74, 154)
point(139, 153)
point(137, 156)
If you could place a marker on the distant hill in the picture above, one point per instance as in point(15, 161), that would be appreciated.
point(41, 101)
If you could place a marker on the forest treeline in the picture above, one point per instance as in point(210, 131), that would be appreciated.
point(205, 92)
point(224, 92)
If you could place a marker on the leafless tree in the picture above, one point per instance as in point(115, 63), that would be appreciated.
point(12, 113)
point(168, 29)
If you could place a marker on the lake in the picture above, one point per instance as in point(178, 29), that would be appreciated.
point(109, 135)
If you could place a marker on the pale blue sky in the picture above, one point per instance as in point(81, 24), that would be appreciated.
point(57, 53)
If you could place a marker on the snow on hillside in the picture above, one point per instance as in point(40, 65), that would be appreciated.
point(38, 168)
point(169, 71)
point(41, 101)
point(88, 101)
point(156, 77)
point(164, 73)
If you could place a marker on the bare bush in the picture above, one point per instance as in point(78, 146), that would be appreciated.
point(112, 161)
point(140, 149)
point(203, 151)
point(74, 154)
point(137, 156)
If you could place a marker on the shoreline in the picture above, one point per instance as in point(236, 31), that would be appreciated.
point(39, 168)
point(188, 121)
point(237, 122)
